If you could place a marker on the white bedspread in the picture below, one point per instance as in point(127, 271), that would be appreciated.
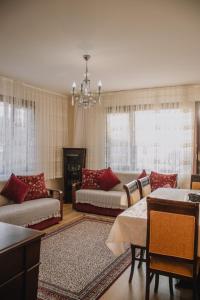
point(108, 199)
point(30, 212)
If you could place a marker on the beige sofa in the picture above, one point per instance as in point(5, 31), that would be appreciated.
point(103, 202)
point(38, 213)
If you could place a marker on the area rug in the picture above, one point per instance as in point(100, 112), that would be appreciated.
point(76, 264)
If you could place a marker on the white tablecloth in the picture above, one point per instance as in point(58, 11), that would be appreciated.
point(131, 225)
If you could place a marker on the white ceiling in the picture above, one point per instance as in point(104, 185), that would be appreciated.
point(133, 43)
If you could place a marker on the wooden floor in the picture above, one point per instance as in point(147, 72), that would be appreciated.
point(121, 289)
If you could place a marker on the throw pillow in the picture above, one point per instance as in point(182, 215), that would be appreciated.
point(90, 178)
point(15, 189)
point(143, 174)
point(37, 186)
point(160, 180)
point(107, 180)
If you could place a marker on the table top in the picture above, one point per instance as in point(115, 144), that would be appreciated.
point(131, 225)
point(12, 236)
point(140, 208)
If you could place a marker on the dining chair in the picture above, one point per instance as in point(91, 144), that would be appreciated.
point(133, 196)
point(172, 241)
point(195, 182)
point(144, 186)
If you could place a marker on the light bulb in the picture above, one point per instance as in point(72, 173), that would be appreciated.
point(100, 84)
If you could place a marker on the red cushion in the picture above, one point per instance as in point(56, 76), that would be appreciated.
point(142, 175)
point(108, 180)
point(15, 189)
point(90, 178)
point(160, 180)
point(37, 186)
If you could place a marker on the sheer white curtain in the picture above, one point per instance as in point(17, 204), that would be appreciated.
point(17, 135)
point(147, 128)
point(158, 138)
point(89, 132)
point(33, 129)
point(51, 133)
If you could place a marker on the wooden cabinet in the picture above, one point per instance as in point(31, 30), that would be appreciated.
point(19, 262)
point(74, 161)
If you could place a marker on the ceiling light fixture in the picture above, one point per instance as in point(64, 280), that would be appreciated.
point(85, 97)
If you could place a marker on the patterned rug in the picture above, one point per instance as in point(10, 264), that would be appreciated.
point(76, 264)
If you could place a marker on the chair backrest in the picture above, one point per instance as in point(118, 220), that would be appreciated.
point(144, 186)
point(132, 191)
point(172, 229)
point(195, 182)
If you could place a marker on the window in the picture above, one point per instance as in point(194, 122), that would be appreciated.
point(154, 139)
point(17, 135)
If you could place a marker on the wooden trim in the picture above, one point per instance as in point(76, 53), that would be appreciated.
point(75, 187)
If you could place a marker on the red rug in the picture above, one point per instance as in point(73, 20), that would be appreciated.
point(76, 264)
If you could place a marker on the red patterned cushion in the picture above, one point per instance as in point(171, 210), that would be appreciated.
point(108, 180)
point(160, 180)
point(90, 178)
point(142, 175)
point(37, 186)
point(15, 189)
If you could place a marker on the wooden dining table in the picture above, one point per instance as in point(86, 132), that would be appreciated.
point(130, 226)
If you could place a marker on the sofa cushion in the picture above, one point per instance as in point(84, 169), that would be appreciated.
point(143, 174)
point(30, 212)
point(15, 189)
point(107, 180)
point(159, 180)
point(90, 178)
point(109, 199)
point(37, 186)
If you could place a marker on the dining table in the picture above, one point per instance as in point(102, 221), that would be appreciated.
point(130, 227)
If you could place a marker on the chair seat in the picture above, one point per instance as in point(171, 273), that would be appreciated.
point(165, 265)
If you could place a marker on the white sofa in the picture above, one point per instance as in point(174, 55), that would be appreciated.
point(38, 213)
point(103, 202)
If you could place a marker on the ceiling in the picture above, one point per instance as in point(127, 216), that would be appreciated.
point(133, 43)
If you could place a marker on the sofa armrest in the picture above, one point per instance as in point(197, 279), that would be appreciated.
point(75, 187)
point(57, 194)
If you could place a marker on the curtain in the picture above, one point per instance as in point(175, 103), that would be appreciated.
point(197, 139)
point(106, 128)
point(52, 134)
point(89, 132)
point(33, 129)
point(152, 138)
point(17, 135)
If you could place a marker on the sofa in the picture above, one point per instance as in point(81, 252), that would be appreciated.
point(36, 214)
point(109, 203)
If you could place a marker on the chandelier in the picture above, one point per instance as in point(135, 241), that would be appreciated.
point(85, 97)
